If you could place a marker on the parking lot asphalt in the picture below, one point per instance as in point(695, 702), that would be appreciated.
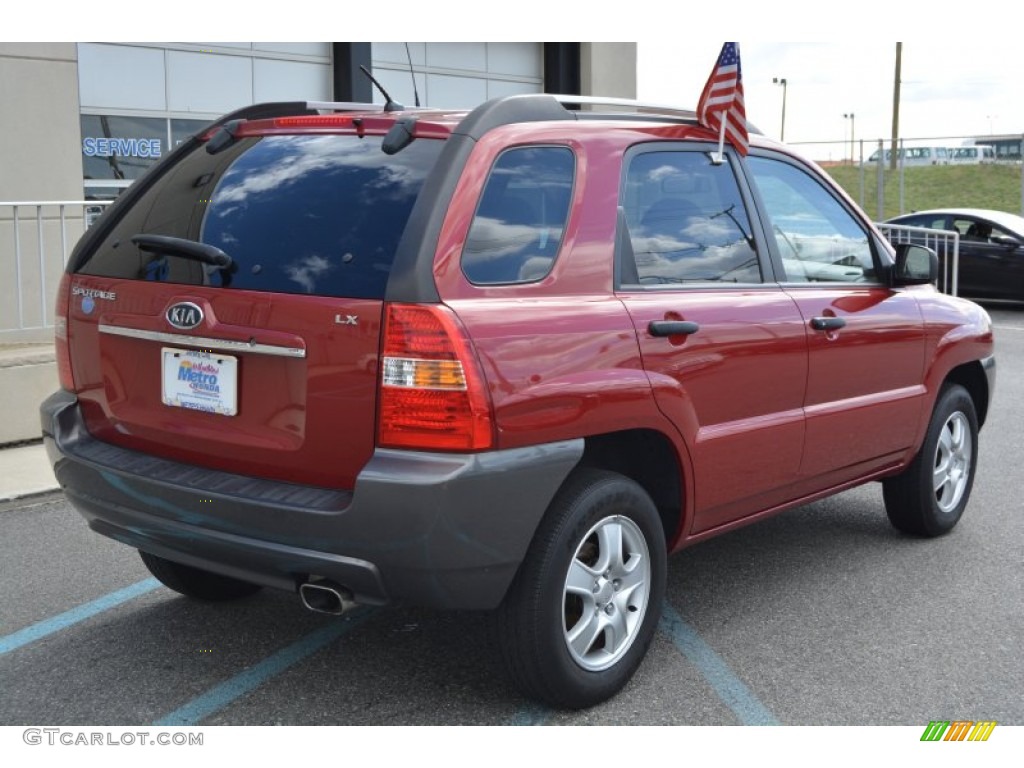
point(824, 615)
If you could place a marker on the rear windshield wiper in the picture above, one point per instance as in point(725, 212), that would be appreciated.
point(188, 249)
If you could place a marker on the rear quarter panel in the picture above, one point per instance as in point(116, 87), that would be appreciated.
point(560, 355)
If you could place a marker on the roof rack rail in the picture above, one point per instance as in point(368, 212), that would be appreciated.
point(530, 107)
point(642, 109)
point(646, 107)
point(345, 106)
point(355, 106)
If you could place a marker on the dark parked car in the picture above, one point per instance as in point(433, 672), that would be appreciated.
point(504, 360)
point(991, 249)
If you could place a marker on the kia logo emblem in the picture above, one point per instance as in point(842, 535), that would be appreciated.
point(184, 315)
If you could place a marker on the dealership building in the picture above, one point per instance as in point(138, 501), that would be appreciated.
point(83, 120)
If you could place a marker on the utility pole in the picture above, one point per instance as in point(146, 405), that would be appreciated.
point(896, 107)
point(850, 116)
point(784, 83)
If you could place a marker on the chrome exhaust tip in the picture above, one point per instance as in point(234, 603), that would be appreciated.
point(325, 597)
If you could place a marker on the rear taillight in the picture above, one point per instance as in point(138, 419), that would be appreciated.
point(60, 335)
point(432, 394)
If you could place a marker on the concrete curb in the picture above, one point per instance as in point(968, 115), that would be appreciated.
point(15, 355)
point(28, 374)
point(25, 471)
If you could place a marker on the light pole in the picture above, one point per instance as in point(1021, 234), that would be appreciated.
point(849, 116)
point(782, 81)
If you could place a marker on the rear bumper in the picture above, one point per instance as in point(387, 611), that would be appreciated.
point(432, 529)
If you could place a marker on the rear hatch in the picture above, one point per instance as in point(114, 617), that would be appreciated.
point(266, 367)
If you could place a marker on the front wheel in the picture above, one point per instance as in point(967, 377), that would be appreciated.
point(581, 613)
point(930, 496)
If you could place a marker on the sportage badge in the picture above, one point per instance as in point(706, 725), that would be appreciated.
point(184, 315)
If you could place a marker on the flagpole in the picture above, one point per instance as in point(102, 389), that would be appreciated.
point(719, 158)
point(722, 99)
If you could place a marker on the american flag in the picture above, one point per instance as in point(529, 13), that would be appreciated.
point(723, 94)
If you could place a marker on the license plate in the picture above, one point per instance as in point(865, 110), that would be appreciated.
point(200, 381)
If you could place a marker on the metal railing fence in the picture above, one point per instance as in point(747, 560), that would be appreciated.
point(945, 243)
point(36, 238)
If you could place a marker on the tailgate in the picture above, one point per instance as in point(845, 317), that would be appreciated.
point(266, 367)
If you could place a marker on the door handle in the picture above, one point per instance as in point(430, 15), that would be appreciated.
point(827, 323)
point(672, 327)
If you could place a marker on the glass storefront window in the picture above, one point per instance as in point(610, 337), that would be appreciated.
point(115, 147)
point(182, 129)
point(105, 190)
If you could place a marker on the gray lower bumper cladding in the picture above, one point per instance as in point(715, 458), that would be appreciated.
point(431, 529)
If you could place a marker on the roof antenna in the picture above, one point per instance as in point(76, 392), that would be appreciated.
point(390, 105)
point(412, 74)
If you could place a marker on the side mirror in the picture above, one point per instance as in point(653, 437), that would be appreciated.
point(915, 265)
point(1010, 242)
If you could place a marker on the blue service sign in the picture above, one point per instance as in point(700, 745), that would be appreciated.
point(101, 147)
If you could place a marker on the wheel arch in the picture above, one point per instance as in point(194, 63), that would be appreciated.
point(649, 458)
point(972, 377)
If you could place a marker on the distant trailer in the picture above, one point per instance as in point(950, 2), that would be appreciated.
point(971, 155)
point(915, 156)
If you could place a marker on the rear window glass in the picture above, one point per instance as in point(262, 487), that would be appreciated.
point(298, 214)
point(519, 223)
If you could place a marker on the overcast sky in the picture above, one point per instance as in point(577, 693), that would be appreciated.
point(948, 89)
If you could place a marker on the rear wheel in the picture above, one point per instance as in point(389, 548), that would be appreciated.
point(582, 611)
point(197, 583)
point(930, 496)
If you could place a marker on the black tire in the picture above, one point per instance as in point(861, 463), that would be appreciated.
point(542, 611)
point(949, 453)
point(197, 583)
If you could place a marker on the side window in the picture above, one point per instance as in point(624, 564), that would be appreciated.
point(817, 238)
point(977, 230)
point(687, 222)
point(930, 222)
point(968, 228)
point(519, 223)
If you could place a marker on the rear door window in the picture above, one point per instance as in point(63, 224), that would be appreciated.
point(307, 214)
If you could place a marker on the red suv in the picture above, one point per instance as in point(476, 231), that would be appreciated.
point(506, 359)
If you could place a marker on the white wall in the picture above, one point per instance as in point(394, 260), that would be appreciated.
point(40, 155)
point(40, 159)
point(608, 69)
point(458, 75)
point(206, 79)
